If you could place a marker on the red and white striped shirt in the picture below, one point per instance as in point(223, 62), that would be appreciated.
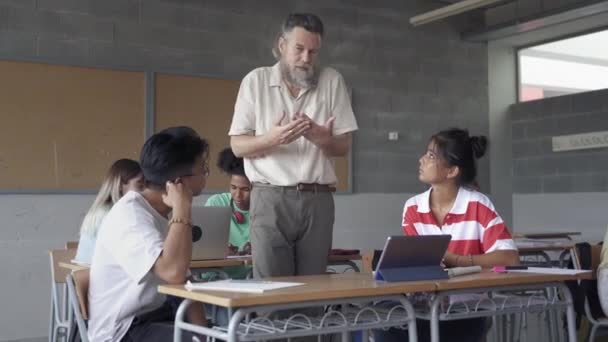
point(474, 224)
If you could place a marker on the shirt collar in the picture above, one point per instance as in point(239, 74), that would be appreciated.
point(275, 76)
point(424, 201)
point(460, 204)
point(462, 201)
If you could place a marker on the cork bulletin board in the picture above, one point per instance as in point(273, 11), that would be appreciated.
point(63, 126)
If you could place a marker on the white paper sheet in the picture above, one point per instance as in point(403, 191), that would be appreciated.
point(547, 270)
point(238, 256)
point(232, 285)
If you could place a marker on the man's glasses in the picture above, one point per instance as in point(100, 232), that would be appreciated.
point(205, 172)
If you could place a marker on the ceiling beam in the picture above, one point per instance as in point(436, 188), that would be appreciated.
point(450, 10)
point(543, 21)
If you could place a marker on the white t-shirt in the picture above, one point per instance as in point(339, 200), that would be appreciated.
point(123, 284)
point(262, 99)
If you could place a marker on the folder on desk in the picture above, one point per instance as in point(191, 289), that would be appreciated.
point(409, 258)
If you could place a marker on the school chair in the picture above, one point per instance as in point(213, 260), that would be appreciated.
point(585, 293)
point(78, 290)
point(71, 245)
point(369, 259)
point(60, 321)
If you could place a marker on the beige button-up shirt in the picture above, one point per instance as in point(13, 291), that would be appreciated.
point(263, 97)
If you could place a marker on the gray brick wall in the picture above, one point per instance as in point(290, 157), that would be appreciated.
point(536, 169)
point(412, 80)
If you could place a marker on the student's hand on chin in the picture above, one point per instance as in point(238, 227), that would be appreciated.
point(176, 194)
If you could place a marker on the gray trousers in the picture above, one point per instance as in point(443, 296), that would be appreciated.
point(291, 231)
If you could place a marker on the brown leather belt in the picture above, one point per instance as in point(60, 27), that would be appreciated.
point(312, 187)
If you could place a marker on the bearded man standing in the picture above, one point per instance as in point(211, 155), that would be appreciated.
point(289, 121)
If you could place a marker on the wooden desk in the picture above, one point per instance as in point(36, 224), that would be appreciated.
point(320, 291)
point(488, 278)
point(343, 288)
point(348, 260)
point(540, 248)
point(73, 267)
point(193, 264)
point(340, 257)
point(500, 300)
point(220, 263)
point(317, 287)
point(547, 235)
point(544, 247)
point(206, 264)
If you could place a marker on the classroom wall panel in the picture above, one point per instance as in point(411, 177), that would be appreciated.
point(204, 104)
point(536, 167)
point(63, 126)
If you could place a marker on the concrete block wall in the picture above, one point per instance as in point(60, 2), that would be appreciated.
point(536, 168)
point(411, 80)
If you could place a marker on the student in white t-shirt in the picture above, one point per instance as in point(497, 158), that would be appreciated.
point(139, 248)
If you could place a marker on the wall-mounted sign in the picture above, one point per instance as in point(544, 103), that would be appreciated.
point(580, 141)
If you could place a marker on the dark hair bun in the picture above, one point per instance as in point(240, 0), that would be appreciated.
point(479, 145)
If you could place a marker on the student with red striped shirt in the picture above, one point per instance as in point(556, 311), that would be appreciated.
point(453, 206)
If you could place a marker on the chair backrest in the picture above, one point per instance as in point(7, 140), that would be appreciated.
point(369, 260)
point(585, 292)
point(78, 288)
point(81, 283)
point(596, 259)
point(60, 255)
point(71, 245)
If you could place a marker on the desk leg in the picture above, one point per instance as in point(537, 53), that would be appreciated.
point(52, 316)
point(569, 312)
point(435, 318)
point(180, 317)
point(495, 323)
point(233, 325)
point(411, 326)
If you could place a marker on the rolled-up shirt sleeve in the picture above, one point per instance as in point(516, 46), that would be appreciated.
point(243, 119)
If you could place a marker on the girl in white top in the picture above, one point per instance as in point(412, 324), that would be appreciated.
point(123, 176)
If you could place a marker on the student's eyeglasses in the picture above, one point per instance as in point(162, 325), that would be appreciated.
point(205, 172)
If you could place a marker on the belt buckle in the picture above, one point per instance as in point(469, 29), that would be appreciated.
point(307, 187)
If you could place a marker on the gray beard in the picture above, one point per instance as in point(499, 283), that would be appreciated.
point(300, 78)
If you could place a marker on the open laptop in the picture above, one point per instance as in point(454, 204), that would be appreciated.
point(210, 232)
point(412, 258)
